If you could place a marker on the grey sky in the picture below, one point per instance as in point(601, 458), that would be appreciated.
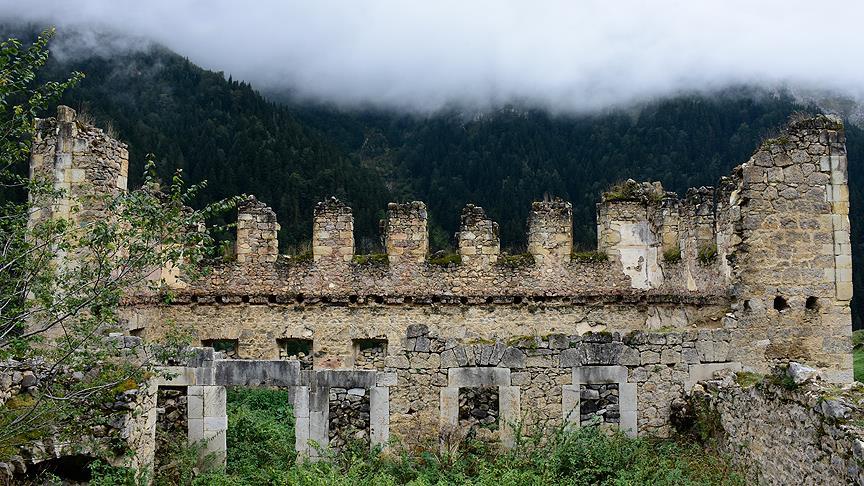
point(567, 55)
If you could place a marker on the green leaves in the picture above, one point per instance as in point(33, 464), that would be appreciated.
point(63, 273)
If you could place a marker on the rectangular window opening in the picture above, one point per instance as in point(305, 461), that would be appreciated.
point(296, 349)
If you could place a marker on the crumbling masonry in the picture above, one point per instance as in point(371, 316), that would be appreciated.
point(754, 272)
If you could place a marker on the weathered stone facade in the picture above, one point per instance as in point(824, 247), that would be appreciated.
point(783, 433)
point(753, 273)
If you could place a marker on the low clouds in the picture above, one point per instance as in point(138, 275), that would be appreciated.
point(422, 55)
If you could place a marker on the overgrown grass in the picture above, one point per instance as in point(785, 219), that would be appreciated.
point(707, 254)
point(371, 259)
point(518, 260)
point(858, 354)
point(858, 364)
point(446, 259)
point(260, 439)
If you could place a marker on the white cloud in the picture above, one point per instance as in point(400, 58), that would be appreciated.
point(567, 55)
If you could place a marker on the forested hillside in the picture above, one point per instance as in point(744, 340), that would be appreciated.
point(293, 154)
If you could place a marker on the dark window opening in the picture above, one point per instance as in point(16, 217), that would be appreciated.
point(228, 347)
point(812, 303)
point(137, 332)
point(296, 349)
point(780, 303)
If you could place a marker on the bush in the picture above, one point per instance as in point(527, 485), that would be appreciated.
point(371, 259)
point(672, 255)
point(260, 451)
point(446, 259)
point(707, 254)
point(260, 432)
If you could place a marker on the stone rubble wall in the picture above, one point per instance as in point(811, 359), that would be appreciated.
point(808, 434)
point(127, 420)
point(332, 232)
point(82, 161)
point(478, 237)
point(789, 253)
point(550, 232)
point(406, 236)
point(660, 365)
point(256, 233)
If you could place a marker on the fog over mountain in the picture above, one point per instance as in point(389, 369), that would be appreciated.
point(562, 55)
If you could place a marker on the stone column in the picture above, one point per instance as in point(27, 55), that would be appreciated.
point(256, 233)
point(479, 242)
point(626, 232)
point(208, 420)
point(550, 232)
point(332, 232)
point(406, 237)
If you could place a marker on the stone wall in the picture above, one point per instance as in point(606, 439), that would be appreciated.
point(550, 232)
point(84, 163)
point(126, 421)
point(256, 232)
point(479, 241)
point(745, 275)
point(406, 237)
point(785, 433)
point(789, 254)
point(332, 232)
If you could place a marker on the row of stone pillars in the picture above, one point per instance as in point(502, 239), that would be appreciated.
point(208, 420)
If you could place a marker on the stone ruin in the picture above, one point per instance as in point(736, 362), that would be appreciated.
point(742, 276)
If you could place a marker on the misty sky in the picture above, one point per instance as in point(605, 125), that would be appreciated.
point(566, 55)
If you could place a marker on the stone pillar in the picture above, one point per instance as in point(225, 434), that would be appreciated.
point(479, 242)
point(627, 232)
point(697, 224)
point(208, 420)
point(550, 232)
point(332, 232)
point(791, 266)
point(668, 224)
point(82, 161)
point(406, 237)
point(256, 233)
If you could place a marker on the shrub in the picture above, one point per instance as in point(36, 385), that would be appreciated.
point(707, 254)
point(371, 259)
point(259, 439)
point(518, 260)
point(446, 259)
point(672, 255)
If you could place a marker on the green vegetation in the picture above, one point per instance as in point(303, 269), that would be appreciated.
point(590, 256)
point(259, 439)
point(746, 379)
point(78, 303)
point(446, 259)
point(858, 354)
point(672, 255)
point(630, 191)
point(518, 260)
point(371, 259)
point(707, 254)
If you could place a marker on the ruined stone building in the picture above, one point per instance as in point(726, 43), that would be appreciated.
point(745, 275)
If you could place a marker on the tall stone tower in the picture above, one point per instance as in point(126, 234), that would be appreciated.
point(82, 161)
point(788, 248)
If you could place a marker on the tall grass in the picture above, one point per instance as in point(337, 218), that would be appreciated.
point(260, 452)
